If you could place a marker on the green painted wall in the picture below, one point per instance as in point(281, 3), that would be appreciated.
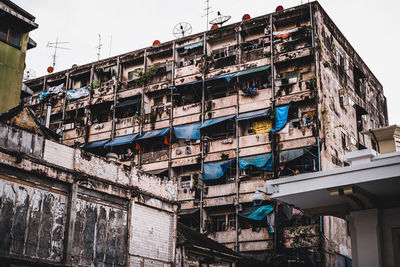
point(12, 62)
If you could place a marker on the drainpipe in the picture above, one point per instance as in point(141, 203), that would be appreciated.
point(201, 141)
point(171, 114)
point(115, 85)
point(67, 85)
point(142, 106)
point(237, 184)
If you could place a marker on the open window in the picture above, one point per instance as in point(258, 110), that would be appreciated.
point(128, 107)
point(190, 54)
point(100, 113)
point(218, 128)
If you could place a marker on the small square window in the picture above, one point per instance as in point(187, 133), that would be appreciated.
point(15, 38)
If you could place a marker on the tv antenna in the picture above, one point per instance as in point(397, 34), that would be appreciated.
point(219, 20)
point(208, 11)
point(29, 74)
point(98, 47)
point(182, 29)
point(56, 46)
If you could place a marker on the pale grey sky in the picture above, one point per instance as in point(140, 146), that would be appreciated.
point(372, 27)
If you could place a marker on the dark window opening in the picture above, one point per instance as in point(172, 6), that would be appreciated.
point(100, 113)
point(11, 36)
point(187, 95)
point(219, 131)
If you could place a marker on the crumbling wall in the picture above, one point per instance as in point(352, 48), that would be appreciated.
point(32, 221)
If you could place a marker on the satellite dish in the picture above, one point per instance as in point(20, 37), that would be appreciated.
point(182, 29)
point(29, 74)
point(219, 20)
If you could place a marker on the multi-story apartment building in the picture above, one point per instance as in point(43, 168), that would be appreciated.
point(221, 112)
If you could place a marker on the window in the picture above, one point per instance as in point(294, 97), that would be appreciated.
point(219, 223)
point(10, 36)
point(158, 101)
point(14, 38)
point(132, 75)
point(345, 141)
point(3, 33)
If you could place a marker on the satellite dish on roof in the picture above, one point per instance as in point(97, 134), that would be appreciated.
point(182, 29)
point(220, 19)
point(29, 74)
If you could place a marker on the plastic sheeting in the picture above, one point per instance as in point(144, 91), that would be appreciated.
point(190, 131)
point(77, 94)
point(191, 46)
point(281, 115)
point(263, 162)
point(54, 90)
point(253, 115)
point(122, 140)
point(289, 155)
point(257, 213)
point(97, 144)
point(213, 171)
point(253, 70)
point(153, 134)
point(210, 122)
point(128, 103)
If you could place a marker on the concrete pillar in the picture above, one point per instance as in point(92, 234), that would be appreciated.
point(365, 238)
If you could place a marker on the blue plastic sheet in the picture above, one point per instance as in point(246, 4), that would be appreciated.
point(253, 115)
point(190, 131)
point(210, 122)
point(253, 70)
point(77, 94)
point(281, 115)
point(263, 162)
point(97, 144)
point(122, 140)
point(153, 134)
point(213, 171)
point(257, 213)
point(191, 46)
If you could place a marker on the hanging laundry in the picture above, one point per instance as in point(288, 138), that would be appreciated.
point(271, 222)
point(188, 150)
point(77, 94)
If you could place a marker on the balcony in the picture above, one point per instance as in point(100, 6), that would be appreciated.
point(157, 156)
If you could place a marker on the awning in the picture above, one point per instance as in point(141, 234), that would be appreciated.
point(190, 131)
point(96, 144)
point(289, 155)
point(128, 103)
point(227, 77)
point(257, 213)
point(188, 211)
point(155, 172)
point(253, 70)
point(213, 171)
point(210, 122)
point(264, 162)
point(253, 115)
point(122, 140)
point(153, 134)
point(191, 46)
point(281, 115)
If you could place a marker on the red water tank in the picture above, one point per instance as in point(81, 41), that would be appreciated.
point(279, 8)
point(156, 42)
point(246, 17)
point(214, 26)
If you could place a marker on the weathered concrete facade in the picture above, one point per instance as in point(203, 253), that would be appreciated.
point(64, 206)
point(210, 82)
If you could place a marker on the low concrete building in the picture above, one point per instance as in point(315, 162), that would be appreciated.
point(366, 194)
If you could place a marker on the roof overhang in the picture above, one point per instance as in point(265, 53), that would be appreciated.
point(17, 16)
point(338, 191)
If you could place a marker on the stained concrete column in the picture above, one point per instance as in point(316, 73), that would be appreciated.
point(71, 223)
point(365, 238)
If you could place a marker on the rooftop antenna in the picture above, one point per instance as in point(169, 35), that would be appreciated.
point(208, 11)
point(98, 47)
point(56, 46)
point(219, 20)
point(109, 53)
point(182, 29)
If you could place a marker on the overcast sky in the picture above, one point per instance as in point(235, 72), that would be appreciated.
point(372, 27)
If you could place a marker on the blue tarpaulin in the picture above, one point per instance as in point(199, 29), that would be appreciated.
point(191, 46)
point(264, 162)
point(97, 144)
point(281, 115)
point(253, 115)
point(190, 131)
point(227, 77)
point(214, 171)
point(216, 120)
point(257, 213)
point(153, 134)
point(122, 140)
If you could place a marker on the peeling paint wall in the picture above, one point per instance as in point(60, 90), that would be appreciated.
point(32, 221)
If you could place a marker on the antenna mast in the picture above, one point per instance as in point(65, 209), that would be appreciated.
point(99, 48)
point(208, 11)
point(56, 46)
